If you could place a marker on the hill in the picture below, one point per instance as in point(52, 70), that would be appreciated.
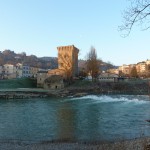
point(8, 56)
point(103, 67)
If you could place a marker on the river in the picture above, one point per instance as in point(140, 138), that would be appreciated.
point(88, 118)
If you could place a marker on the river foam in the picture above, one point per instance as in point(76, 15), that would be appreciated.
point(137, 99)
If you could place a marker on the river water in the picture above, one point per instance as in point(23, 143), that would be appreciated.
point(90, 118)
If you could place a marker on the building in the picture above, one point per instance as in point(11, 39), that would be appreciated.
point(141, 67)
point(108, 77)
point(67, 62)
point(1, 72)
point(147, 62)
point(125, 69)
point(67, 67)
point(19, 70)
point(9, 71)
point(34, 71)
point(26, 71)
point(54, 82)
point(113, 71)
point(60, 72)
point(41, 76)
point(68, 59)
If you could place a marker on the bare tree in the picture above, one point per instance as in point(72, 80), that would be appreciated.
point(93, 63)
point(138, 13)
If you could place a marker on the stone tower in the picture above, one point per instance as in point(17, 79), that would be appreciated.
point(68, 58)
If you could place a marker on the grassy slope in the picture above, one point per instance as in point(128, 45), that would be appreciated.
point(17, 83)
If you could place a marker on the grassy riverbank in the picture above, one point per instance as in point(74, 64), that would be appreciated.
point(18, 83)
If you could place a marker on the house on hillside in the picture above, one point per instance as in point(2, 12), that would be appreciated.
point(34, 71)
point(26, 71)
point(9, 71)
point(19, 69)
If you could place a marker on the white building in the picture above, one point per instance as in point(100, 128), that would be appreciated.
point(108, 77)
point(26, 71)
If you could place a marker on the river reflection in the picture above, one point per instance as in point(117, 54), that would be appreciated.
point(66, 122)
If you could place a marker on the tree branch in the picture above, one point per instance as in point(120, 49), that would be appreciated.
point(137, 13)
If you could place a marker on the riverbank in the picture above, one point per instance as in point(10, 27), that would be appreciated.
point(23, 93)
point(83, 88)
point(135, 144)
point(79, 89)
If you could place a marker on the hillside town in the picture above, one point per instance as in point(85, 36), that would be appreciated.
point(142, 69)
point(68, 68)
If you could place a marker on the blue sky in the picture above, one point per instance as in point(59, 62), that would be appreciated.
point(39, 26)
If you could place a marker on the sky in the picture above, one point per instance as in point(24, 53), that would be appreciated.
point(38, 27)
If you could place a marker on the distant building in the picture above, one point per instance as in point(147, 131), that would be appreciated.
point(41, 76)
point(9, 71)
point(1, 72)
point(141, 67)
point(34, 71)
point(108, 77)
point(113, 71)
point(68, 58)
point(60, 72)
point(126, 69)
point(147, 62)
point(19, 70)
point(67, 62)
point(67, 65)
point(54, 82)
point(26, 71)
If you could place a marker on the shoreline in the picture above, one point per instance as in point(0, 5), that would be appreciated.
point(63, 93)
point(134, 144)
point(79, 89)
